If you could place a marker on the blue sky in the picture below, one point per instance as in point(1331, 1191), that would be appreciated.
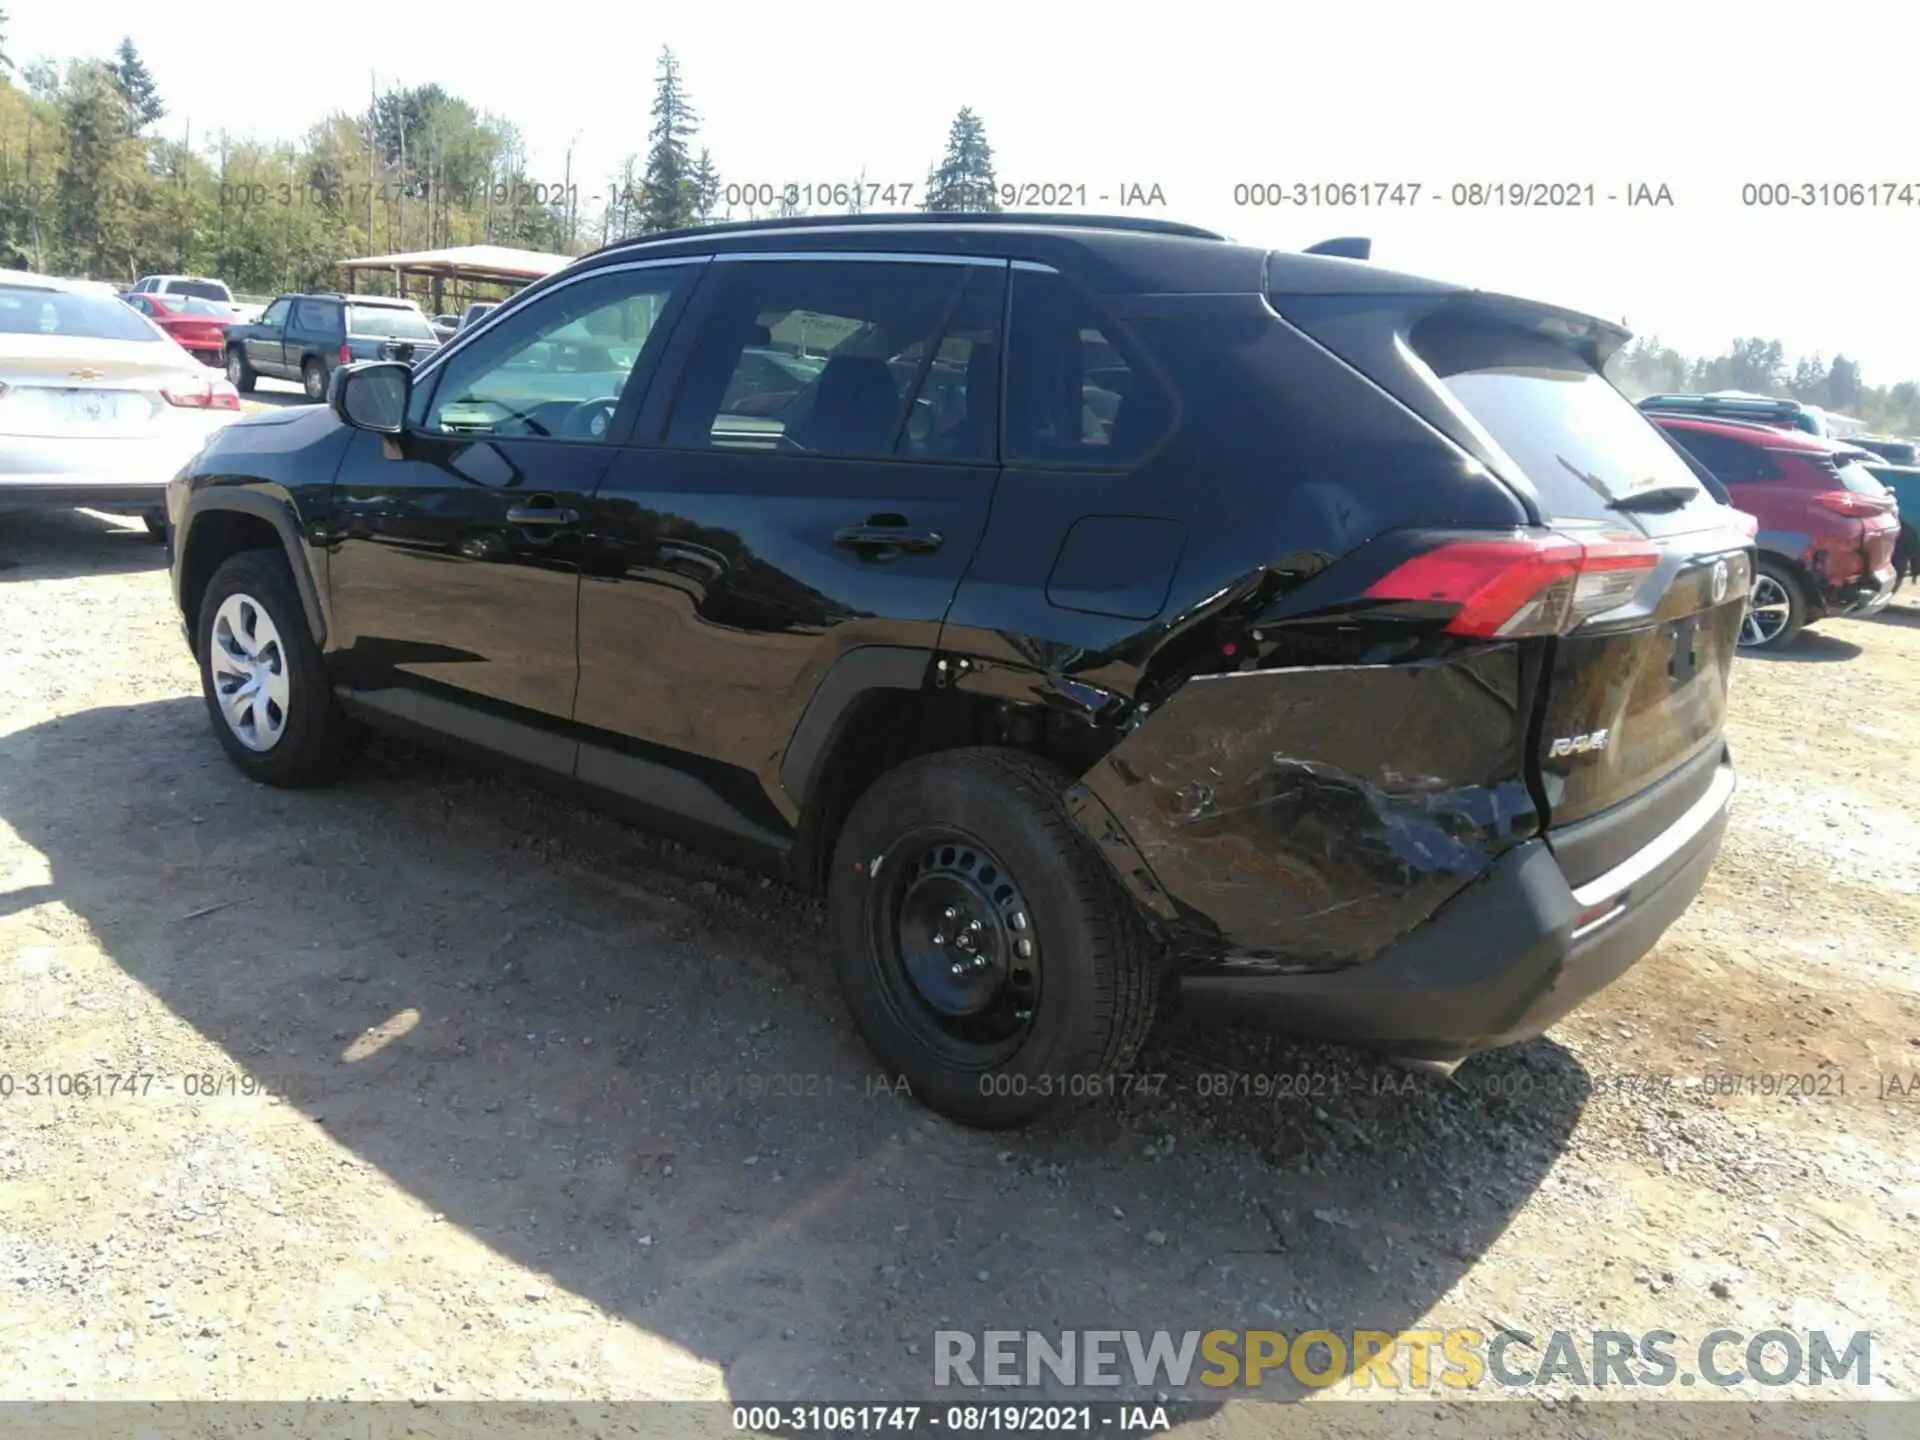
point(1198, 98)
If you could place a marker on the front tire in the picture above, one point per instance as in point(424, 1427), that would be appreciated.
point(266, 687)
point(987, 953)
point(239, 373)
point(1776, 608)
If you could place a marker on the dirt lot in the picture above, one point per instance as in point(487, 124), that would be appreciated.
point(559, 1111)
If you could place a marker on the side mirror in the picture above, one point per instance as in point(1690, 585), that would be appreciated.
point(372, 396)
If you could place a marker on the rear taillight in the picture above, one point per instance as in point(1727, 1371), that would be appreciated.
point(346, 354)
point(1522, 585)
point(1845, 502)
point(210, 394)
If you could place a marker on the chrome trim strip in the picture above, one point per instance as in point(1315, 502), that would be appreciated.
point(561, 278)
point(1664, 846)
point(898, 257)
point(1035, 267)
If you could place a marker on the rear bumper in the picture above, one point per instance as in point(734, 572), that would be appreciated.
point(1501, 962)
point(1865, 596)
point(101, 472)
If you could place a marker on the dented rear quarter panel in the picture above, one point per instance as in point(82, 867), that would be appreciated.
point(1304, 819)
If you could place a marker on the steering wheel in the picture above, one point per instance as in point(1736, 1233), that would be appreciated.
point(590, 419)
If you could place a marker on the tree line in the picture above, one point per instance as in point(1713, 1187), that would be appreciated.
point(1648, 367)
point(88, 187)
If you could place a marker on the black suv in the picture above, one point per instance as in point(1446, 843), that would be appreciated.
point(1099, 611)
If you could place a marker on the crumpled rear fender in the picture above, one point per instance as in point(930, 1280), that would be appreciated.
point(1302, 819)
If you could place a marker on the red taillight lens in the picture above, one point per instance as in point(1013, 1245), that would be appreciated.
point(1522, 585)
point(1845, 502)
point(346, 355)
point(211, 394)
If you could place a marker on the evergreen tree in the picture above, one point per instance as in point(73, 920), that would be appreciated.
point(96, 234)
point(671, 197)
point(6, 60)
point(706, 188)
point(963, 180)
point(136, 82)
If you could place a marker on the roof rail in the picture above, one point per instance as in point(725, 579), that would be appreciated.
point(1141, 223)
point(1347, 247)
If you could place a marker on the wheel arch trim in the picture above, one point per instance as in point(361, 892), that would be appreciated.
point(278, 512)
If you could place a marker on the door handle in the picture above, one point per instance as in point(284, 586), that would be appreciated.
point(541, 515)
point(869, 538)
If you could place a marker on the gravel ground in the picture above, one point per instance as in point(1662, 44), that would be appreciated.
point(461, 1092)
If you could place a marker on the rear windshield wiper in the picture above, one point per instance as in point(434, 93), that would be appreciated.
point(1660, 497)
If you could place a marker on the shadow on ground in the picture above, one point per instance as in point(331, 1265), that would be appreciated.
point(631, 1072)
point(1808, 647)
point(57, 544)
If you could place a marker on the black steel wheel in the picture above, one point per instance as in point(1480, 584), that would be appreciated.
point(989, 956)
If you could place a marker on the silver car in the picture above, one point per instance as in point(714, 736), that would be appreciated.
point(98, 406)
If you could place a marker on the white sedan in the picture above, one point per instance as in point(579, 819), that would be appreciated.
point(99, 408)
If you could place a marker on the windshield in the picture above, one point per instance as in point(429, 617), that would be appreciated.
point(202, 289)
point(388, 322)
point(1566, 428)
point(85, 317)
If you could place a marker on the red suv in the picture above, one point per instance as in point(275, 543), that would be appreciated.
point(1827, 527)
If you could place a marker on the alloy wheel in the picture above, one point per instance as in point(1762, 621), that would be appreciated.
point(249, 669)
point(1769, 608)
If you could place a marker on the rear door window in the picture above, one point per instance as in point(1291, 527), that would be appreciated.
point(1733, 462)
point(1556, 420)
point(314, 318)
point(844, 357)
point(1078, 393)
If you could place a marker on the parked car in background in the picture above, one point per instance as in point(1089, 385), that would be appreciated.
point(99, 407)
point(1894, 452)
point(1056, 701)
point(445, 327)
point(1827, 528)
point(1763, 409)
point(477, 312)
point(198, 326)
point(199, 287)
point(308, 337)
point(1904, 482)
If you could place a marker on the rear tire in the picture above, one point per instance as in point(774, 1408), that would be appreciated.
point(267, 690)
point(987, 953)
point(156, 523)
point(1777, 608)
point(239, 373)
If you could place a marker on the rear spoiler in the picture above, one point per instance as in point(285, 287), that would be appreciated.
point(1346, 247)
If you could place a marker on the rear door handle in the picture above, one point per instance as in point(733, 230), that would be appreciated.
point(541, 515)
point(885, 537)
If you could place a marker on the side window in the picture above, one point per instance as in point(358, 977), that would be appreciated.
point(314, 317)
point(846, 357)
point(1077, 393)
point(557, 369)
point(1733, 462)
point(139, 302)
point(276, 313)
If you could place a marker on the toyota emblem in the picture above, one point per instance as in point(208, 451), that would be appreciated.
point(1719, 581)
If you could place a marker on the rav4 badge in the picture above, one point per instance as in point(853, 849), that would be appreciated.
point(1578, 744)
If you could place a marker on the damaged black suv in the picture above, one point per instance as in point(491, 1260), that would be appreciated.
point(1100, 612)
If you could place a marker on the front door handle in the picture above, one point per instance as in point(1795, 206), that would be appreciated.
point(871, 538)
point(541, 515)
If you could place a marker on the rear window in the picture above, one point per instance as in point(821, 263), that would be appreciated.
point(203, 289)
point(1855, 477)
point(1581, 443)
point(191, 306)
point(388, 322)
point(84, 317)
